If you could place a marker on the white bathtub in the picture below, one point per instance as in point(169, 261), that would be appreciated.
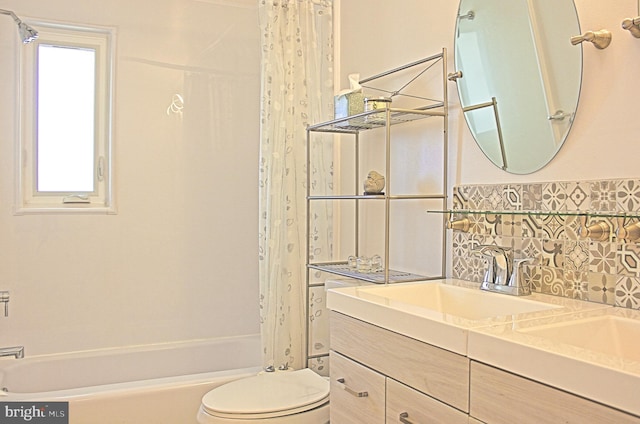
point(155, 384)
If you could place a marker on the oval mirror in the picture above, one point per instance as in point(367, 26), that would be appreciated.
point(520, 77)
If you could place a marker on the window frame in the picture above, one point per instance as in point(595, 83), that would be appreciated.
point(28, 198)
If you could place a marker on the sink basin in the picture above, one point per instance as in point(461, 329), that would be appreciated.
point(438, 312)
point(593, 353)
point(471, 304)
point(607, 334)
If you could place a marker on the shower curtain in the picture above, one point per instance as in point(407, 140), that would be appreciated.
point(297, 90)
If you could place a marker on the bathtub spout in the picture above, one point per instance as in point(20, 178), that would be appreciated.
point(15, 351)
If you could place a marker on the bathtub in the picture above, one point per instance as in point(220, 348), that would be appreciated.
point(154, 384)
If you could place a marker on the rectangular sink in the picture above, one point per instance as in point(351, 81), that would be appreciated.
point(593, 353)
point(470, 304)
point(439, 312)
point(607, 334)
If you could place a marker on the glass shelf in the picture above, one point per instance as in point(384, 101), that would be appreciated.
point(376, 119)
point(591, 214)
point(341, 268)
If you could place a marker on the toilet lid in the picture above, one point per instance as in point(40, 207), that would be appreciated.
point(269, 394)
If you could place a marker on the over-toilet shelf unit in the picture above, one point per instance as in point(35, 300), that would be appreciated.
point(379, 143)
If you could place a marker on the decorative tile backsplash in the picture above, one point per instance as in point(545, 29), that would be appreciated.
point(565, 264)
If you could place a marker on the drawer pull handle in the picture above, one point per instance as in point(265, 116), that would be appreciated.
point(350, 390)
point(404, 418)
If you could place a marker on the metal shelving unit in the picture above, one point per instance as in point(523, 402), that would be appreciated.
point(370, 120)
point(350, 128)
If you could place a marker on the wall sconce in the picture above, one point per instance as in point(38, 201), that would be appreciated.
point(632, 25)
point(601, 39)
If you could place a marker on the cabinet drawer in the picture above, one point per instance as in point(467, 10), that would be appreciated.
point(439, 373)
point(501, 397)
point(357, 393)
point(418, 407)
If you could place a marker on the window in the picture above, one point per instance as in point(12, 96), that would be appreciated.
point(65, 143)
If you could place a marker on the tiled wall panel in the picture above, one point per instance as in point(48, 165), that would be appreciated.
point(564, 264)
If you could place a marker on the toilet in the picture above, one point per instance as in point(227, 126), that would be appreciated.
point(279, 397)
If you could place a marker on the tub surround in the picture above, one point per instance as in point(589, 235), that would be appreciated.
point(564, 264)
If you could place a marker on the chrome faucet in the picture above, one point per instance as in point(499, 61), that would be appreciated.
point(15, 351)
point(504, 273)
point(500, 263)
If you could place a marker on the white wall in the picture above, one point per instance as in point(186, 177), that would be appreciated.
point(376, 35)
point(379, 34)
point(178, 261)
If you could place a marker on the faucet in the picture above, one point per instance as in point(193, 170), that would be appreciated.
point(504, 273)
point(15, 351)
point(500, 263)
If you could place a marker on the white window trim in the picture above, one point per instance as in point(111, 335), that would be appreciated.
point(27, 201)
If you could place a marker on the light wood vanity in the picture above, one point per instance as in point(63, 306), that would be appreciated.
point(403, 378)
point(380, 376)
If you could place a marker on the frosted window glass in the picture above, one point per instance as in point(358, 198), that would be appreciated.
point(66, 119)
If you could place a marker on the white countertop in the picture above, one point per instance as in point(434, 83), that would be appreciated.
point(540, 345)
point(605, 372)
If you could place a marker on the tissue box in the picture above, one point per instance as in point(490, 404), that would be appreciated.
point(348, 104)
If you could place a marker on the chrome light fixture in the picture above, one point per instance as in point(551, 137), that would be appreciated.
point(27, 33)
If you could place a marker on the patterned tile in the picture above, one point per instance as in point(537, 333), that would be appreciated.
point(532, 248)
point(565, 264)
point(511, 226)
point(628, 195)
point(552, 281)
point(532, 197)
point(534, 275)
point(553, 226)
point(572, 226)
point(554, 197)
point(578, 196)
point(576, 285)
point(476, 223)
point(460, 244)
point(576, 257)
point(552, 253)
point(628, 259)
point(603, 196)
point(460, 197)
point(628, 292)
point(602, 288)
point(493, 197)
point(602, 257)
point(460, 267)
point(532, 226)
point(476, 199)
point(512, 197)
point(493, 224)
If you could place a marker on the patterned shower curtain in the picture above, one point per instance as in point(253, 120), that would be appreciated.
point(297, 90)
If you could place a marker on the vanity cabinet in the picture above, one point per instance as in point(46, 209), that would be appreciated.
point(357, 392)
point(499, 397)
point(418, 381)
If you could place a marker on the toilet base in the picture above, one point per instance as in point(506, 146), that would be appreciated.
point(319, 415)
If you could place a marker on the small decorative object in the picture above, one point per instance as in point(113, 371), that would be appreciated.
point(352, 262)
point(364, 264)
point(374, 184)
point(376, 263)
